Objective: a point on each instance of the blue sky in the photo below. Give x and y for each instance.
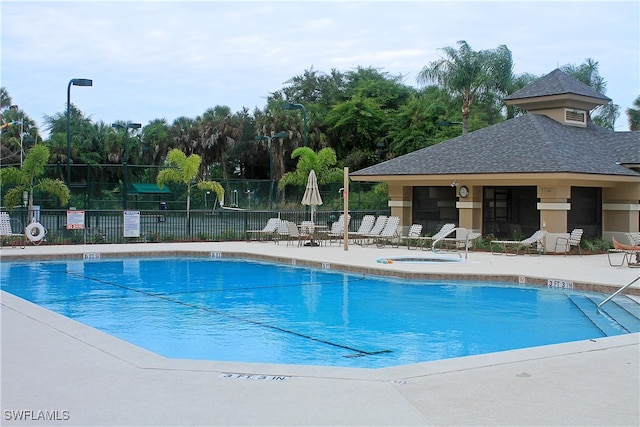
(166, 59)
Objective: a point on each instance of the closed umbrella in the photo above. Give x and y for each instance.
(311, 195)
(312, 198)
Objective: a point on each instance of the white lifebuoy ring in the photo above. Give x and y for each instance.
(35, 231)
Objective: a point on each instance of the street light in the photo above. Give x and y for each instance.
(290, 106)
(72, 82)
(269, 138)
(125, 157)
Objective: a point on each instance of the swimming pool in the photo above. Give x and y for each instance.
(249, 311)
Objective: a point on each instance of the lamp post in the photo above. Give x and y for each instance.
(290, 106)
(72, 82)
(125, 157)
(269, 138)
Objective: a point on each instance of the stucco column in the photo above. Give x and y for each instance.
(400, 202)
(470, 209)
(553, 207)
(620, 210)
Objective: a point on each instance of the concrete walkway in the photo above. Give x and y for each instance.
(56, 371)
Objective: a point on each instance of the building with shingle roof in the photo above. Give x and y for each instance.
(551, 168)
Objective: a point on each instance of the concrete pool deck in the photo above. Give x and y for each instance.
(56, 371)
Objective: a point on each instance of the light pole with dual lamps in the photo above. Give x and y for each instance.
(125, 157)
(72, 82)
(291, 106)
(269, 138)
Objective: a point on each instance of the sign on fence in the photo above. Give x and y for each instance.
(75, 220)
(131, 224)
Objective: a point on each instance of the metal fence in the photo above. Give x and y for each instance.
(107, 226)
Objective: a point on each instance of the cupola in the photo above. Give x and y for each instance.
(560, 97)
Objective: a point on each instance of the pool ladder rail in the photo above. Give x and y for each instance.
(621, 315)
(610, 297)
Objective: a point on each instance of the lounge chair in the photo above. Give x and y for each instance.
(375, 231)
(633, 238)
(389, 233)
(413, 236)
(572, 240)
(430, 242)
(270, 228)
(8, 229)
(629, 253)
(464, 240)
(337, 229)
(363, 229)
(282, 232)
(536, 240)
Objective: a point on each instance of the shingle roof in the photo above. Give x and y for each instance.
(530, 143)
(556, 82)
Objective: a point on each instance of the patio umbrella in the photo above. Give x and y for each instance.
(311, 195)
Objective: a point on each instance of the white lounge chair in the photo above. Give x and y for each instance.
(270, 228)
(413, 236)
(363, 229)
(389, 233)
(378, 226)
(430, 242)
(536, 240)
(9, 228)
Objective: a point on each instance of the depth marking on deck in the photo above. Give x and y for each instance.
(254, 377)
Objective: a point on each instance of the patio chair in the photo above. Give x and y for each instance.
(573, 240)
(270, 228)
(8, 229)
(389, 233)
(295, 234)
(363, 229)
(307, 231)
(413, 235)
(378, 226)
(430, 242)
(536, 240)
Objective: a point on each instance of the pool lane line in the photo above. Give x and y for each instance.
(359, 352)
(292, 285)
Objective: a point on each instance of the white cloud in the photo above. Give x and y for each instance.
(165, 59)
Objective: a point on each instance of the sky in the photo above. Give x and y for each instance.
(166, 59)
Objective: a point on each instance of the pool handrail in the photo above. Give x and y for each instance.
(610, 297)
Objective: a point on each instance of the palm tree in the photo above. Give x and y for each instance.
(27, 178)
(470, 74)
(5, 98)
(323, 163)
(588, 73)
(184, 170)
(634, 115)
(219, 130)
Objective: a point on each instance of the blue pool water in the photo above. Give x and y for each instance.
(238, 310)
